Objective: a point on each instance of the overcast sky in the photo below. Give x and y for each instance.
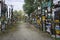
(18, 4)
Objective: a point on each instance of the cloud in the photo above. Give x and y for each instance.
(15, 0)
(18, 4)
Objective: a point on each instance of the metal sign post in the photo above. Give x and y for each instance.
(0, 14)
(3, 16)
(57, 20)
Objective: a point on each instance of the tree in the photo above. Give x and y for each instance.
(29, 6)
(19, 14)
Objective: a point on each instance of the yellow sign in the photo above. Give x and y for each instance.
(56, 20)
(43, 17)
(38, 21)
(57, 31)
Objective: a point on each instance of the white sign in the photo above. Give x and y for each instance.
(49, 9)
(55, 1)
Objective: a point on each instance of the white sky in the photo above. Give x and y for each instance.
(17, 4)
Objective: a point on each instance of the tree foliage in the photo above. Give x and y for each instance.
(19, 14)
(29, 6)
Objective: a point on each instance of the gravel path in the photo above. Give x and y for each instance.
(25, 31)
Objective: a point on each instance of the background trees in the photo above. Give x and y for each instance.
(19, 14)
(31, 5)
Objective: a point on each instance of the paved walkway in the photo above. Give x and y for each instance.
(25, 31)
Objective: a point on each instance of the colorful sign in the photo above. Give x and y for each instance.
(43, 17)
(57, 28)
(56, 21)
(48, 27)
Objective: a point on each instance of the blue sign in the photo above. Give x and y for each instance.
(57, 28)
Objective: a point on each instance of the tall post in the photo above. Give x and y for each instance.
(12, 14)
(3, 18)
(57, 20)
(0, 14)
(43, 17)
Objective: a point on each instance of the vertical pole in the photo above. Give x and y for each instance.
(0, 14)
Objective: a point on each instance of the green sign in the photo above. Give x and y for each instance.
(49, 4)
